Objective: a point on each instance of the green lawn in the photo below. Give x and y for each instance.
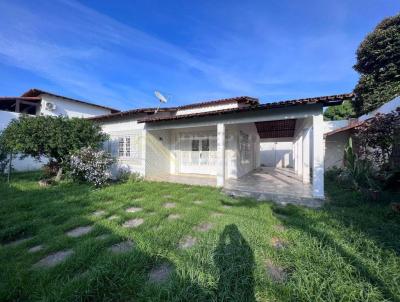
(347, 251)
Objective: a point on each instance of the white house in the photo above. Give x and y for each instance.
(220, 142)
(36, 102)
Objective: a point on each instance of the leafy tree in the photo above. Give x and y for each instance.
(378, 62)
(4, 156)
(53, 137)
(339, 112)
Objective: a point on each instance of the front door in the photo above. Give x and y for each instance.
(197, 153)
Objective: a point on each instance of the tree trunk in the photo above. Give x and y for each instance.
(59, 174)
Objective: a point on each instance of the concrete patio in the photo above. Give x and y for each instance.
(280, 185)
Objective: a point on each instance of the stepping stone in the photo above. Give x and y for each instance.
(79, 231)
(122, 247)
(169, 205)
(204, 227)
(53, 259)
(279, 228)
(198, 202)
(35, 249)
(226, 206)
(275, 272)
(168, 196)
(133, 210)
(18, 242)
(103, 237)
(187, 242)
(278, 243)
(216, 214)
(160, 274)
(133, 223)
(174, 216)
(99, 213)
(113, 217)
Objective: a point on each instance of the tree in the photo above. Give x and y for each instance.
(339, 112)
(378, 62)
(53, 137)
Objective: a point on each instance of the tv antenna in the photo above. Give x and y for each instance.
(161, 98)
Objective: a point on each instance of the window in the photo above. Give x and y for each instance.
(127, 146)
(205, 145)
(195, 145)
(121, 145)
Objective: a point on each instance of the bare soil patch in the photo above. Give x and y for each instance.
(187, 242)
(203, 227)
(275, 272)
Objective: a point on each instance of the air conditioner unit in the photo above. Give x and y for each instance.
(50, 106)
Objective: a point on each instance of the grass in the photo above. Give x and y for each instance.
(347, 251)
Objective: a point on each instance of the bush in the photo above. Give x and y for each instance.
(92, 166)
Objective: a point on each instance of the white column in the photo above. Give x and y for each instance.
(300, 155)
(306, 156)
(220, 154)
(295, 155)
(318, 159)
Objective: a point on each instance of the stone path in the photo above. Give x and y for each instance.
(275, 272)
(99, 213)
(122, 247)
(203, 227)
(216, 214)
(79, 231)
(53, 259)
(279, 228)
(133, 223)
(160, 274)
(187, 242)
(198, 202)
(133, 210)
(174, 216)
(113, 217)
(35, 249)
(169, 205)
(18, 241)
(278, 243)
(103, 237)
(226, 206)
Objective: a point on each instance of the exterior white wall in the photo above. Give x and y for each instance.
(207, 108)
(159, 157)
(127, 128)
(277, 152)
(70, 108)
(244, 167)
(6, 117)
(334, 149)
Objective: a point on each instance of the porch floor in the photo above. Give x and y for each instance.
(280, 185)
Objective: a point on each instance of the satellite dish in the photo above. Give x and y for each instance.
(161, 98)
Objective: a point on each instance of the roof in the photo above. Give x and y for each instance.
(330, 100)
(21, 98)
(351, 126)
(240, 99)
(37, 92)
(130, 112)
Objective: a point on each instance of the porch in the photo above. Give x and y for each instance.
(282, 185)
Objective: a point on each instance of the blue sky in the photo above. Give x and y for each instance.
(117, 53)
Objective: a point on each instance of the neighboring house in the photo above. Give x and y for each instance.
(224, 143)
(36, 102)
(338, 133)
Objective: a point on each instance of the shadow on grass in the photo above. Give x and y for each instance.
(297, 218)
(235, 262)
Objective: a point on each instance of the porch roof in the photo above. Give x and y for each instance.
(330, 100)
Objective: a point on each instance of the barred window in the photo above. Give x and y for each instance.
(127, 146)
(121, 145)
